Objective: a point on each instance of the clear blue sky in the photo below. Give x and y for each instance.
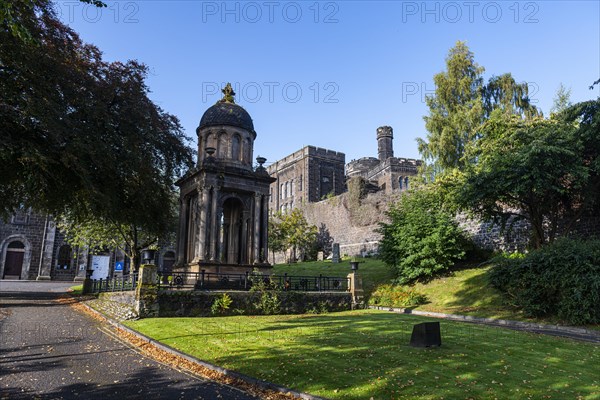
(329, 73)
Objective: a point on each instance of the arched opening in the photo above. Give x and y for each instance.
(13, 264)
(248, 151)
(64, 257)
(232, 228)
(223, 145)
(236, 144)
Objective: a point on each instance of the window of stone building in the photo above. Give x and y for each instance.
(292, 187)
(406, 183)
(287, 186)
(300, 183)
(400, 183)
(281, 192)
(64, 257)
(15, 246)
(21, 217)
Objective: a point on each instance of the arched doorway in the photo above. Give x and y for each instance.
(232, 229)
(13, 264)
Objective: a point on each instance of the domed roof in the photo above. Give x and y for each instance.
(226, 112)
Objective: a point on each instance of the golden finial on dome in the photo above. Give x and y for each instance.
(228, 94)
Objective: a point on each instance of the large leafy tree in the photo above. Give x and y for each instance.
(290, 231)
(422, 238)
(461, 103)
(80, 135)
(10, 15)
(545, 171)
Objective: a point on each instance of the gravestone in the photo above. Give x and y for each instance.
(335, 258)
(320, 256)
(426, 334)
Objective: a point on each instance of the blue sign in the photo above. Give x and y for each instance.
(119, 266)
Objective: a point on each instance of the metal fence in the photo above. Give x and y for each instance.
(115, 284)
(214, 281)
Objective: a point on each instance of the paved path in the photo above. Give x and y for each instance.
(50, 351)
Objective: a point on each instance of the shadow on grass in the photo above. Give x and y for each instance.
(358, 355)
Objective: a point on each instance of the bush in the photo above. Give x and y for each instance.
(396, 296)
(561, 279)
(422, 239)
(221, 305)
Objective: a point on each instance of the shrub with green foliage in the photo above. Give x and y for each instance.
(396, 296)
(561, 279)
(269, 302)
(422, 239)
(221, 305)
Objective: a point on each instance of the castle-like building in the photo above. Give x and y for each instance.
(306, 176)
(312, 173)
(386, 172)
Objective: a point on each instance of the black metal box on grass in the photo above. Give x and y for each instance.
(426, 334)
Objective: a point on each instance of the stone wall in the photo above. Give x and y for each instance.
(117, 305)
(198, 303)
(489, 236)
(351, 222)
(353, 225)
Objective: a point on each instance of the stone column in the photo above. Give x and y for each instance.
(45, 266)
(181, 236)
(245, 249)
(256, 233)
(214, 225)
(356, 289)
(82, 263)
(204, 207)
(146, 293)
(265, 228)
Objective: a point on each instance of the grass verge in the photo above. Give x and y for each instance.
(364, 354)
(76, 290)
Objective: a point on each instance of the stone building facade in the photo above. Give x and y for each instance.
(387, 172)
(224, 201)
(305, 176)
(32, 248)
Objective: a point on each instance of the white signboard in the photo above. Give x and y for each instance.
(100, 266)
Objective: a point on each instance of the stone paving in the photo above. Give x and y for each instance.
(50, 351)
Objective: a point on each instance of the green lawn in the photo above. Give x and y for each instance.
(364, 354)
(76, 290)
(373, 271)
(466, 292)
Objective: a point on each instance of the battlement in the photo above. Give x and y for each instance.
(306, 151)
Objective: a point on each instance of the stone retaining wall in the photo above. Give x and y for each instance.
(198, 303)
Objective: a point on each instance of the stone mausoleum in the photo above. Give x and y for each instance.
(224, 201)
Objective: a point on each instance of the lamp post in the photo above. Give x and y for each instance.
(148, 256)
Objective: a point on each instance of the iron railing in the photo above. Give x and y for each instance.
(115, 284)
(214, 281)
